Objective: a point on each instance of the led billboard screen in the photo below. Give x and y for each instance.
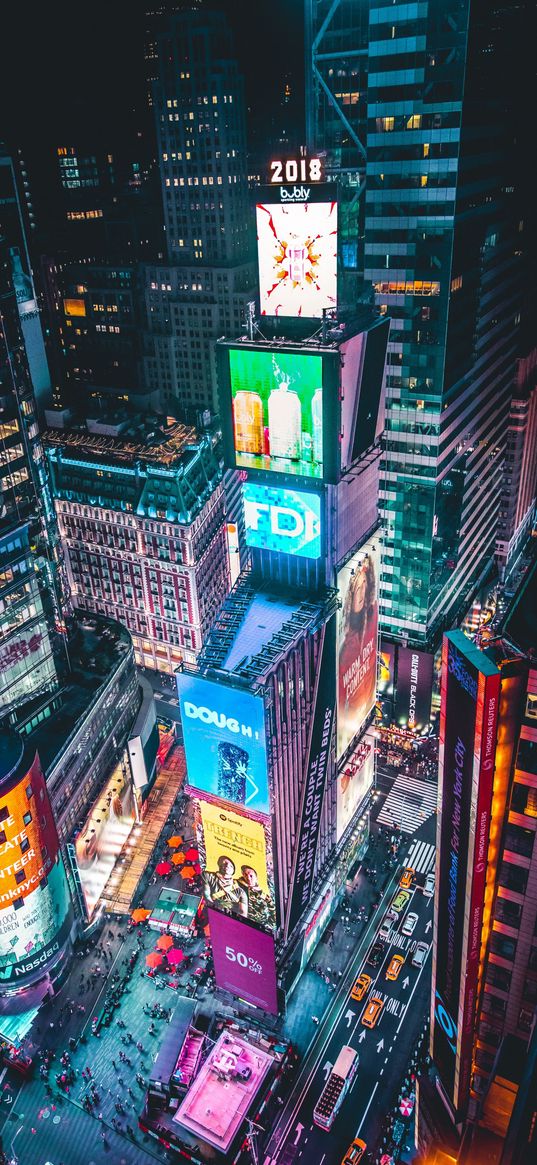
(244, 961)
(353, 782)
(297, 251)
(277, 411)
(286, 521)
(357, 584)
(224, 737)
(236, 873)
(101, 840)
(35, 905)
(414, 689)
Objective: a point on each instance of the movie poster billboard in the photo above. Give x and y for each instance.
(285, 521)
(414, 689)
(357, 584)
(237, 871)
(318, 759)
(297, 250)
(224, 737)
(353, 782)
(277, 400)
(244, 961)
(35, 904)
(103, 835)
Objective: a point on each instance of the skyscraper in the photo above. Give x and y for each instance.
(409, 109)
(200, 292)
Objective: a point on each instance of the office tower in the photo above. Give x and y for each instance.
(409, 109)
(200, 291)
(144, 533)
(519, 485)
(485, 953)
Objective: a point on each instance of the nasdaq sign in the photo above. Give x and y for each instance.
(286, 521)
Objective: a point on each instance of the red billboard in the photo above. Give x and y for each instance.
(244, 960)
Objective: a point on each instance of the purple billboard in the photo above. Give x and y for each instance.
(244, 960)
(414, 689)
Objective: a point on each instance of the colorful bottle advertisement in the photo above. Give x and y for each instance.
(277, 411)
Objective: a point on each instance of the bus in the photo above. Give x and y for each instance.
(336, 1088)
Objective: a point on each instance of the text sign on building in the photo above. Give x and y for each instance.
(224, 735)
(244, 961)
(285, 521)
(470, 692)
(295, 170)
(297, 240)
(414, 689)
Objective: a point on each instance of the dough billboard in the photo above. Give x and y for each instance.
(237, 875)
(357, 584)
(297, 251)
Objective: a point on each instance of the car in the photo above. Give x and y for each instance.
(428, 888)
(385, 930)
(409, 924)
(391, 915)
(355, 1152)
(400, 901)
(360, 986)
(375, 954)
(407, 878)
(420, 954)
(394, 967)
(372, 1011)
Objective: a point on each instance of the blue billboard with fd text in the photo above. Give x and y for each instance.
(287, 521)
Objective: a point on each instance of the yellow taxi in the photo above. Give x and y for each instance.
(354, 1152)
(360, 986)
(372, 1011)
(407, 878)
(394, 967)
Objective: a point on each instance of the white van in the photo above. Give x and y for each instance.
(420, 953)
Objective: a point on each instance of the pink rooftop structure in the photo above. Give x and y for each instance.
(224, 1089)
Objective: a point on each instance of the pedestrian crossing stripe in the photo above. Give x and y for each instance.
(421, 857)
(408, 804)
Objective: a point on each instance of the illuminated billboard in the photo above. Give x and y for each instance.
(236, 874)
(277, 400)
(286, 521)
(353, 782)
(35, 905)
(468, 719)
(101, 840)
(297, 251)
(224, 737)
(414, 689)
(244, 961)
(357, 584)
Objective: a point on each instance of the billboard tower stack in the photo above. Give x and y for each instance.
(277, 710)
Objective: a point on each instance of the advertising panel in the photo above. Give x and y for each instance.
(385, 682)
(320, 745)
(352, 353)
(470, 691)
(237, 877)
(244, 961)
(104, 834)
(286, 521)
(353, 783)
(414, 689)
(357, 584)
(35, 905)
(224, 736)
(297, 250)
(277, 411)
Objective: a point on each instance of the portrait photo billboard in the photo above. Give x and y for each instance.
(237, 877)
(285, 521)
(244, 961)
(224, 738)
(357, 584)
(353, 782)
(297, 250)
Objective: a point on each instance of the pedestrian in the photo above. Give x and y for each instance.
(315, 1019)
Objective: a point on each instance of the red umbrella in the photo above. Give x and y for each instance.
(175, 956)
(154, 959)
(192, 854)
(197, 868)
(163, 868)
(165, 942)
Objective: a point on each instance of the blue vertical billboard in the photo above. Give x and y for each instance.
(286, 521)
(224, 737)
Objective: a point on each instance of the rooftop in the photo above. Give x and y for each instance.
(125, 439)
(223, 1091)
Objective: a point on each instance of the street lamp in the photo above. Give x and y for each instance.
(14, 1159)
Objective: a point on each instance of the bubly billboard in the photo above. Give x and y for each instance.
(224, 737)
(357, 584)
(297, 250)
(237, 874)
(244, 961)
(286, 521)
(277, 400)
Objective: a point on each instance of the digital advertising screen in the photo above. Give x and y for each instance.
(244, 961)
(224, 738)
(297, 251)
(236, 874)
(353, 782)
(357, 584)
(277, 400)
(414, 689)
(103, 835)
(285, 521)
(35, 904)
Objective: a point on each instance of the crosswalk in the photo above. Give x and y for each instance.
(421, 857)
(408, 804)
